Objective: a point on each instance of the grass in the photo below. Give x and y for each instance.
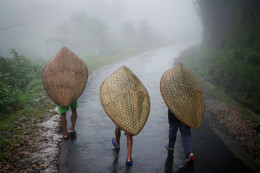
(31, 109)
(251, 72)
(251, 116)
(194, 62)
(195, 67)
(220, 94)
(190, 61)
(13, 125)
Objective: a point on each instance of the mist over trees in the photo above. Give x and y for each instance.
(102, 27)
(232, 22)
(230, 52)
(85, 34)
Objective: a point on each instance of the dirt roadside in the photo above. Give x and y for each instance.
(241, 136)
(38, 148)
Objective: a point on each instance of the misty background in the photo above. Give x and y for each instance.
(94, 28)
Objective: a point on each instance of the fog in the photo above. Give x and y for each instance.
(39, 28)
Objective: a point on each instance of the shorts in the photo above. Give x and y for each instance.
(63, 110)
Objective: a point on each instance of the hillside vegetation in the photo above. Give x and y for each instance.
(229, 55)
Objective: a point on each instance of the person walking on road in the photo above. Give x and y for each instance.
(63, 120)
(64, 79)
(116, 143)
(184, 98)
(126, 101)
(175, 124)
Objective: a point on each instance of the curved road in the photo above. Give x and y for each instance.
(92, 151)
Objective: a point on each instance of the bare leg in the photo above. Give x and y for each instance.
(73, 120)
(118, 135)
(63, 121)
(129, 146)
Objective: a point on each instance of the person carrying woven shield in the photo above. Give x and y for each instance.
(127, 103)
(175, 124)
(184, 98)
(63, 120)
(116, 143)
(64, 79)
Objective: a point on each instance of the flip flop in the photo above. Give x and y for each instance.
(114, 143)
(73, 133)
(129, 163)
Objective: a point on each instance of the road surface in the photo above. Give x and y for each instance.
(92, 150)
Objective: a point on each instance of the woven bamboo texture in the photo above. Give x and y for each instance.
(65, 77)
(125, 100)
(183, 95)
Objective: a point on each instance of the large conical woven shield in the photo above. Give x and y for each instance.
(125, 100)
(65, 77)
(183, 95)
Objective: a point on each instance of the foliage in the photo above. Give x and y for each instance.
(193, 61)
(248, 115)
(13, 125)
(232, 23)
(230, 53)
(16, 73)
(7, 96)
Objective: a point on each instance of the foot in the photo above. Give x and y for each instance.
(191, 158)
(72, 132)
(169, 149)
(66, 136)
(129, 162)
(115, 145)
(170, 152)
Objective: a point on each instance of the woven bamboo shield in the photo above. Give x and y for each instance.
(125, 100)
(65, 77)
(183, 95)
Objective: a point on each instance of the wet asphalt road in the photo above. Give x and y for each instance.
(92, 150)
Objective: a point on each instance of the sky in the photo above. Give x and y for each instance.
(29, 25)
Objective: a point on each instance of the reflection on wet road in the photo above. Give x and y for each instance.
(92, 150)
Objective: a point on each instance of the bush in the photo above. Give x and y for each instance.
(7, 97)
(19, 77)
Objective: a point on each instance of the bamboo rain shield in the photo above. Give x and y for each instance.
(183, 95)
(65, 77)
(125, 100)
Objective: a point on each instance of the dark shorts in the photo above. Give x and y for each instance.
(171, 118)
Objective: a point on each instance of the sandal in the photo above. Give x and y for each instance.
(65, 138)
(73, 134)
(114, 143)
(130, 162)
(191, 158)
